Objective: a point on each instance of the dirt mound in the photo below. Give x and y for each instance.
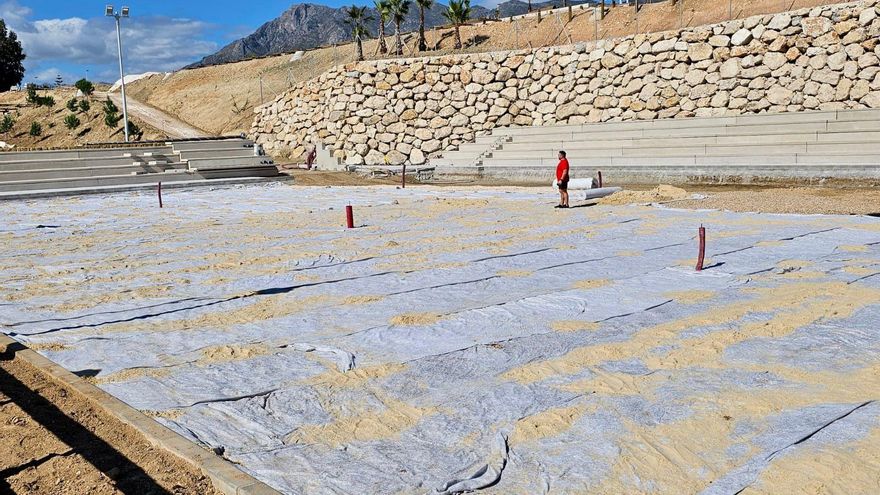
(659, 194)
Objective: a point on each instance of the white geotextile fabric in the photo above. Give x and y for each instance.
(446, 410)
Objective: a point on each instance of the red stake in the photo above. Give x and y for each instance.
(600, 178)
(702, 254)
(159, 190)
(403, 178)
(349, 216)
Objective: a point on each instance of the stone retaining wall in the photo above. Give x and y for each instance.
(396, 111)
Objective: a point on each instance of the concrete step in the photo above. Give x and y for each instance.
(220, 153)
(229, 163)
(868, 160)
(83, 162)
(91, 153)
(213, 144)
(104, 180)
(704, 150)
(66, 173)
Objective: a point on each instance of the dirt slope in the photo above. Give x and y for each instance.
(54, 133)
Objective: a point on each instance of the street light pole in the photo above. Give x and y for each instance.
(117, 15)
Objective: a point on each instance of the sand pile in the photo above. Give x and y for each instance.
(657, 195)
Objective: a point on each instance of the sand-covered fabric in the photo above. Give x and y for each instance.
(467, 338)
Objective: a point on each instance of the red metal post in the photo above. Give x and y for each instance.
(600, 178)
(349, 216)
(702, 254)
(159, 190)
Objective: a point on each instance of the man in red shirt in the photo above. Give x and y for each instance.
(562, 180)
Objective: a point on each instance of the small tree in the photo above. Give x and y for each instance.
(384, 12)
(84, 106)
(111, 114)
(71, 122)
(6, 124)
(134, 130)
(85, 86)
(458, 12)
(32, 97)
(58, 81)
(357, 17)
(11, 58)
(72, 104)
(398, 10)
(110, 107)
(423, 4)
(36, 129)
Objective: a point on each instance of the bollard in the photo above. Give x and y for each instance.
(600, 178)
(702, 254)
(349, 216)
(159, 191)
(403, 177)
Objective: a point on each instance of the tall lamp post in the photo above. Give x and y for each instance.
(123, 12)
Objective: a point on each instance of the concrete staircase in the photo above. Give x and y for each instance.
(101, 169)
(786, 146)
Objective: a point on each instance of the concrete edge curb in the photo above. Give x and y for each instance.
(224, 475)
(54, 193)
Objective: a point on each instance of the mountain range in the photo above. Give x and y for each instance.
(306, 25)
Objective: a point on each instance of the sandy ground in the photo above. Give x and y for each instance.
(169, 125)
(55, 442)
(220, 99)
(740, 198)
(55, 135)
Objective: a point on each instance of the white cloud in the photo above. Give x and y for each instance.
(151, 43)
(13, 13)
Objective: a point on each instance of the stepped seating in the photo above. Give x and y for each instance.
(801, 146)
(189, 161)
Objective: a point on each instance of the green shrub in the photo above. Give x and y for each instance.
(71, 121)
(84, 105)
(134, 130)
(7, 124)
(85, 86)
(36, 129)
(111, 120)
(110, 107)
(72, 104)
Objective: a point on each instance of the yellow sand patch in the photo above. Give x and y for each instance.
(356, 377)
(690, 296)
(415, 319)
(573, 325)
(232, 352)
(514, 273)
(857, 248)
(362, 299)
(545, 424)
(591, 284)
(130, 374)
(372, 425)
(795, 305)
(658, 194)
(860, 270)
(847, 468)
(51, 346)
(628, 254)
(769, 243)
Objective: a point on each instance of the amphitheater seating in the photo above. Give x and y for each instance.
(803, 145)
(190, 161)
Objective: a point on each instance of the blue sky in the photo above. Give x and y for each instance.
(73, 38)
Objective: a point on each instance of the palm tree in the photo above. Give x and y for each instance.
(357, 17)
(458, 12)
(384, 13)
(398, 10)
(423, 4)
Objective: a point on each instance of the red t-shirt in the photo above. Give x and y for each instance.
(562, 169)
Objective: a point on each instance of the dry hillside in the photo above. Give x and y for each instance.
(54, 133)
(220, 99)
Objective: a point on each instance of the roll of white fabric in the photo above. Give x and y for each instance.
(576, 184)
